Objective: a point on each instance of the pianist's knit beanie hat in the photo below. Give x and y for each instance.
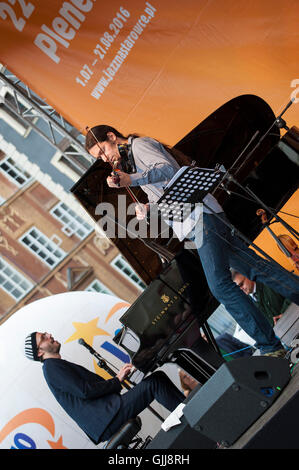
(31, 347)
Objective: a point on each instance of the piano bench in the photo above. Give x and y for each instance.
(124, 437)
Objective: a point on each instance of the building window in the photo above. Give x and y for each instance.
(72, 223)
(42, 247)
(123, 266)
(68, 167)
(13, 282)
(14, 172)
(97, 286)
(13, 111)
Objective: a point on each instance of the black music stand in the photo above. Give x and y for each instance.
(191, 187)
(188, 187)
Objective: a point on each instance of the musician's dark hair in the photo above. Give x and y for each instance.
(99, 134)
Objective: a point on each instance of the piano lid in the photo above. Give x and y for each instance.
(223, 135)
(220, 138)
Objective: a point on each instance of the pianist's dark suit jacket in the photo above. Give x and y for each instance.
(87, 398)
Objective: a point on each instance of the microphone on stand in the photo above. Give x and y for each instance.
(87, 346)
(101, 361)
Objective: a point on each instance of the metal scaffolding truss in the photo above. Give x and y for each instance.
(30, 109)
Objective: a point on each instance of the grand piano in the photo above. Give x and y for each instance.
(166, 322)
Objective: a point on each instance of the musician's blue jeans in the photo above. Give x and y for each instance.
(221, 250)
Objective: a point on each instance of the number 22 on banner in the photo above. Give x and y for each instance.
(19, 23)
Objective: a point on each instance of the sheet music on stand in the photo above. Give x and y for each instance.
(188, 187)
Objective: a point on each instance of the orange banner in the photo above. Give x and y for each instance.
(158, 68)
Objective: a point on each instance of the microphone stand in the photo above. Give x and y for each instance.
(229, 178)
(294, 232)
(278, 122)
(103, 364)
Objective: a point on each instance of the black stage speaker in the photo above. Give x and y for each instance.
(235, 396)
(181, 437)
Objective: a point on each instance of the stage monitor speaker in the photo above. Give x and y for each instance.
(181, 436)
(234, 397)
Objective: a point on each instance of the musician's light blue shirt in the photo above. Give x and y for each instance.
(155, 168)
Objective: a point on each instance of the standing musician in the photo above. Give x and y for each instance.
(155, 165)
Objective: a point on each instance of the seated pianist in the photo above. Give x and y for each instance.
(96, 404)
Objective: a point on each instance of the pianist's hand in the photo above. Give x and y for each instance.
(124, 372)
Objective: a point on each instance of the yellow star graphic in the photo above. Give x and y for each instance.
(87, 331)
(57, 445)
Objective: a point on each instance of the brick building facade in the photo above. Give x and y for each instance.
(48, 244)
